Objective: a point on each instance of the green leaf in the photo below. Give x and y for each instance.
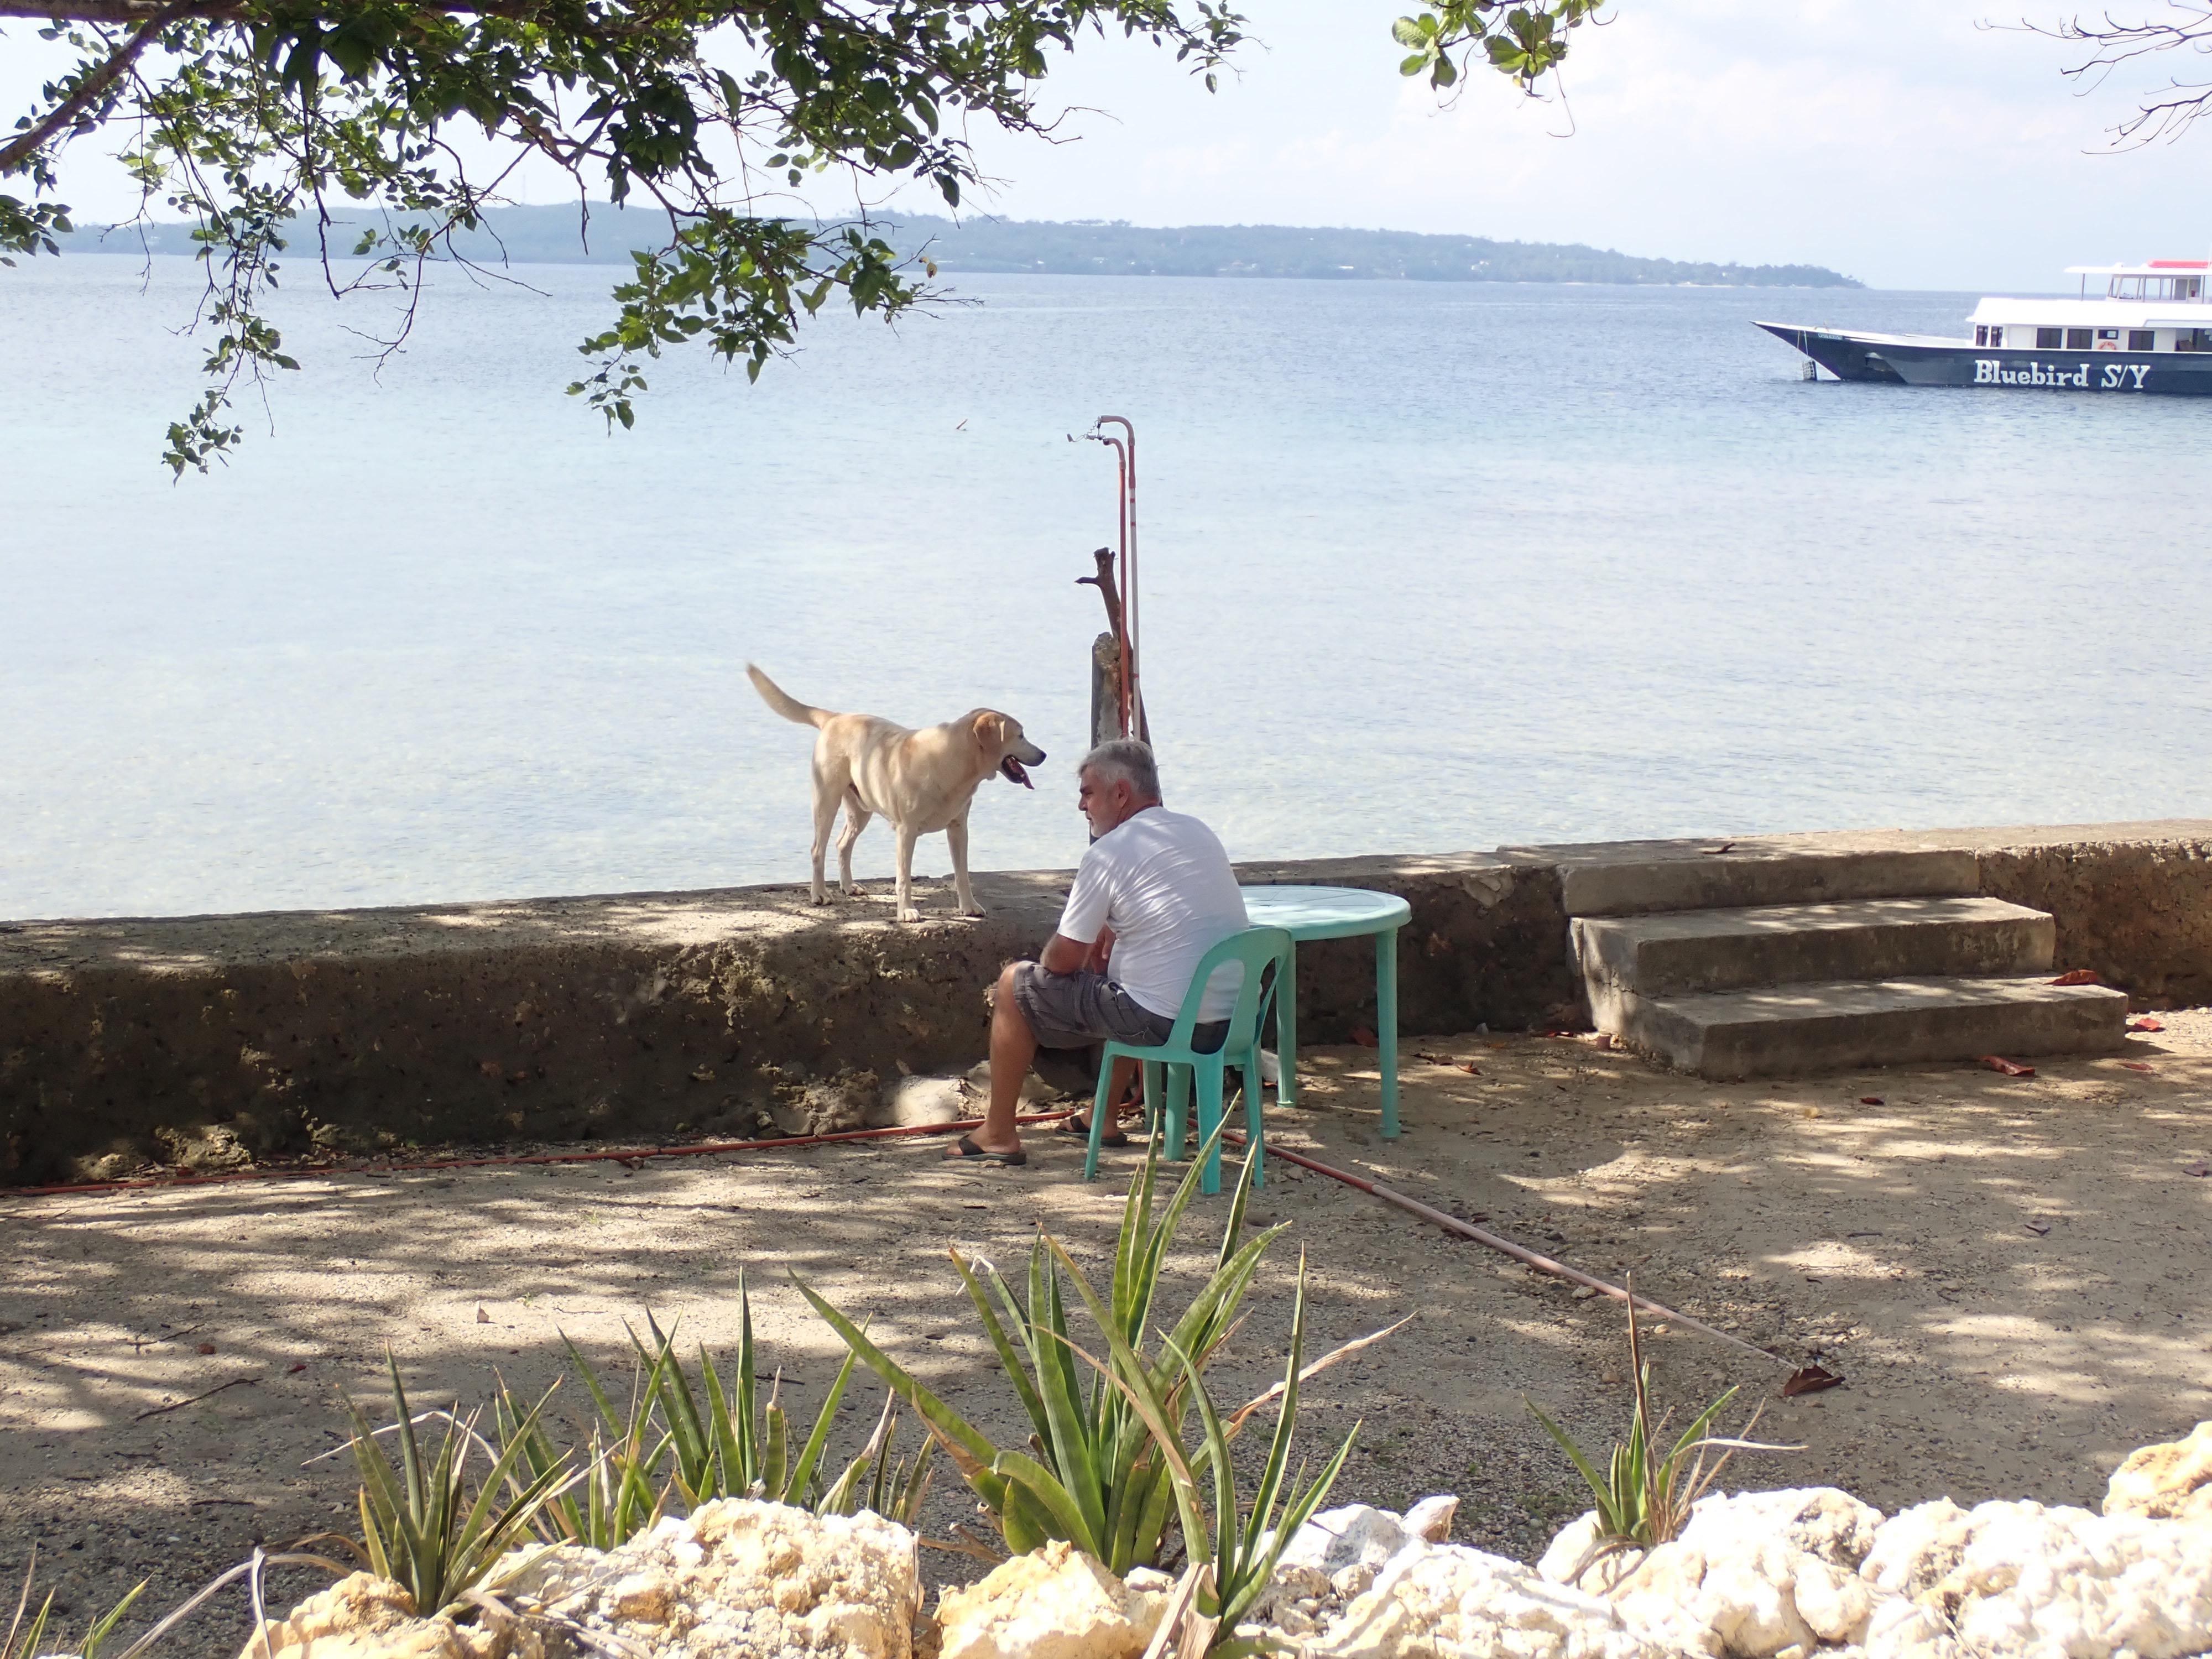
(972, 1449)
(1076, 1525)
(1609, 1508)
(416, 1528)
(27, 1646)
(1010, 1363)
(102, 1627)
(802, 1479)
(1057, 1385)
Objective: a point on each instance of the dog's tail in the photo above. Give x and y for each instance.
(790, 708)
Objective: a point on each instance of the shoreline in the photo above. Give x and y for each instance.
(204, 1042)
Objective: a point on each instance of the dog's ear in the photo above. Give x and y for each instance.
(990, 733)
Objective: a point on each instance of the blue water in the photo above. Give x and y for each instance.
(1426, 567)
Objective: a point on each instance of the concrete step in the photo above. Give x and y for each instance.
(1636, 877)
(1789, 1030)
(1677, 951)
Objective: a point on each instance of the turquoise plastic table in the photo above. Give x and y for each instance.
(1318, 913)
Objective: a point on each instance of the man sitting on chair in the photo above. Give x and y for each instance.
(1152, 895)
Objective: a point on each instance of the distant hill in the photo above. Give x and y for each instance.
(1124, 250)
(537, 235)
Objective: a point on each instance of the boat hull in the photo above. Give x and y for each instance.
(1895, 362)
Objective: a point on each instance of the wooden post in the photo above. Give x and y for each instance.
(1105, 689)
(1106, 661)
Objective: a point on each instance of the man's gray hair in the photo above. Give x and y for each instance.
(1128, 760)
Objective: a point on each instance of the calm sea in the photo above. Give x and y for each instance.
(1425, 567)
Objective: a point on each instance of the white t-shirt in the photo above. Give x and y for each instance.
(1162, 882)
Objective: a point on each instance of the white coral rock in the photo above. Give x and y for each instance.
(1575, 1548)
(1449, 1601)
(1055, 1603)
(2025, 1581)
(2062, 1584)
(2172, 1481)
(1898, 1629)
(1356, 1536)
(1917, 1549)
(1431, 1518)
(742, 1578)
(365, 1617)
(1753, 1575)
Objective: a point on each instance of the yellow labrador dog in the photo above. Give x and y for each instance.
(922, 781)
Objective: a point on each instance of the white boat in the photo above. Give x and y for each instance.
(2150, 330)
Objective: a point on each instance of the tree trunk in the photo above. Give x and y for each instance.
(1106, 662)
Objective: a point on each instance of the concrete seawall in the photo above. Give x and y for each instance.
(204, 1039)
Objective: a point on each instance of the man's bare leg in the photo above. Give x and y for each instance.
(1117, 1091)
(1013, 1047)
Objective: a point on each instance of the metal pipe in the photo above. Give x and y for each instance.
(1126, 696)
(1132, 666)
(1544, 1264)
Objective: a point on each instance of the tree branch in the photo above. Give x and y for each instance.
(2113, 44)
(88, 90)
(1103, 582)
(249, 115)
(155, 15)
(149, 12)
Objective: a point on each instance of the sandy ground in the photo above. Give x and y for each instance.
(2011, 1274)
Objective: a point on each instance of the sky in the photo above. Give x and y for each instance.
(1910, 143)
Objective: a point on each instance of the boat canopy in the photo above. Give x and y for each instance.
(2148, 267)
(2168, 280)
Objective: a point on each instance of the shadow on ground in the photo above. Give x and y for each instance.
(2006, 1272)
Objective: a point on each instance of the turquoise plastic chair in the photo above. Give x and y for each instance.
(1257, 949)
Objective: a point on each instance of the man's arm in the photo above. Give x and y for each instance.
(1063, 955)
(1071, 948)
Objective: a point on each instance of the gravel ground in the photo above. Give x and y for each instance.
(2009, 1272)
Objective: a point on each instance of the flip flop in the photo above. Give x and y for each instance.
(966, 1148)
(1074, 1125)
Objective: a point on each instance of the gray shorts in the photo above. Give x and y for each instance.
(1074, 1011)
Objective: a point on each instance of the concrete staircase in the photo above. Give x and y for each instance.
(1770, 959)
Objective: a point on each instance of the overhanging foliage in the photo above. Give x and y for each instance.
(260, 121)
